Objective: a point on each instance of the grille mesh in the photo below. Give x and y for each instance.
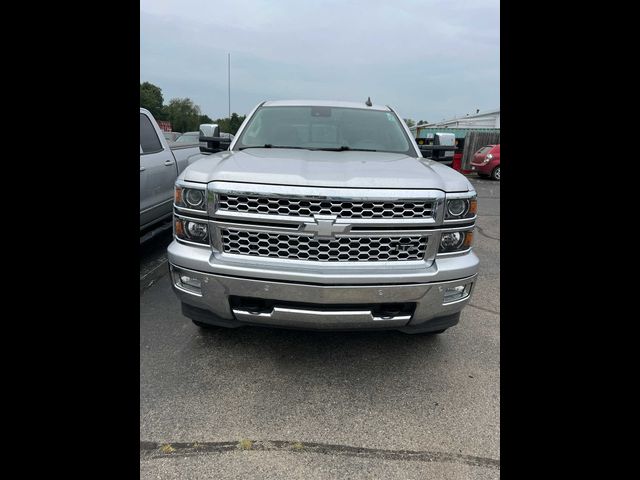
(339, 249)
(309, 207)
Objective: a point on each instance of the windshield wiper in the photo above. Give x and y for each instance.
(345, 148)
(269, 145)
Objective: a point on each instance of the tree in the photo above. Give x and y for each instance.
(423, 122)
(205, 119)
(230, 125)
(235, 123)
(183, 114)
(151, 99)
(410, 123)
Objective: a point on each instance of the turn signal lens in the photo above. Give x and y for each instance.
(473, 206)
(468, 240)
(179, 228)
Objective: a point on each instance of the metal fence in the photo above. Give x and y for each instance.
(473, 142)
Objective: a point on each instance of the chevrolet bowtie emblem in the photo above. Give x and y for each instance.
(324, 226)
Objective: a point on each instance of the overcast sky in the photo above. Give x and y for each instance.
(429, 59)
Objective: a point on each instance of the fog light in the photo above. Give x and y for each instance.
(451, 294)
(186, 282)
(191, 282)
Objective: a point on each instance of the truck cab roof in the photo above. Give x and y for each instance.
(323, 103)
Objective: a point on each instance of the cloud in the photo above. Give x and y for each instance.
(429, 59)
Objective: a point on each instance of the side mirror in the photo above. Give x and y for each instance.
(210, 139)
(209, 130)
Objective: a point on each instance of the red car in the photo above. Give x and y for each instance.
(486, 162)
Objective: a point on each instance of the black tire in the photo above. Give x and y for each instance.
(496, 173)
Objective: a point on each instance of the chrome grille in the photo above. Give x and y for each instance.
(339, 249)
(305, 207)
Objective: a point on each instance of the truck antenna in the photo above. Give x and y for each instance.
(368, 102)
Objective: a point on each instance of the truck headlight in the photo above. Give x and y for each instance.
(194, 198)
(190, 230)
(457, 241)
(461, 208)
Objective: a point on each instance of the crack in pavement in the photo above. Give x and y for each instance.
(152, 450)
(485, 235)
(153, 275)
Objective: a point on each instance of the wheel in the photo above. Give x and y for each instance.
(496, 173)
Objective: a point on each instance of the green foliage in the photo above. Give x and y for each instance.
(410, 123)
(205, 119)
(183, 114)
(230, 125)
(151, 99)
(422, 122)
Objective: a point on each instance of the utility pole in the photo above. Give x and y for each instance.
(229, 81)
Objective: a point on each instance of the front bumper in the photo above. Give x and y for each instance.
(320, 307)
(484, 169)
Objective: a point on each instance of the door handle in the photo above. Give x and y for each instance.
(168, 162)
(142, 169)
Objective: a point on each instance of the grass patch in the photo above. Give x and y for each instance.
(245, 444)
(167, 448)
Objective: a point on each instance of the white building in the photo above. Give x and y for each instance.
(488, 119)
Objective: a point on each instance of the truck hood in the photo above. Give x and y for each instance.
(315, 168)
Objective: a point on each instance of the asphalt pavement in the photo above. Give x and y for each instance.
(272, 403)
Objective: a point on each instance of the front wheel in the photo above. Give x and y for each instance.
(496, 173)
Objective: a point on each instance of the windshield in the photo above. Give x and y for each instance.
(188, 138)
(484, 150)
(326, 128)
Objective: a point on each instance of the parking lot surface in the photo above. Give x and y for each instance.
(272, 403)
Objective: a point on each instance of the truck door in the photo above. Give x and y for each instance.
(157, 175)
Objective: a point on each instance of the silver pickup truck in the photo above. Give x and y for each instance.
(160, 165)
(323, 215)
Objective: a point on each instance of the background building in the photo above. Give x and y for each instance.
(471, 133)
(488, 119)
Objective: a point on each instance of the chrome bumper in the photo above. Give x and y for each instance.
(203, 259)
(317, 313)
